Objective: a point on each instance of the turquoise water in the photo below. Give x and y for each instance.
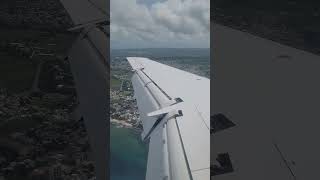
(128, 155)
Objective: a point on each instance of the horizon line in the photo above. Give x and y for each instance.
(162, 48)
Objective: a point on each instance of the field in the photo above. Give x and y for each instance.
(115, 82)
(16, 73)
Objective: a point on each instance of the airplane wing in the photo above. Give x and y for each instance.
(86, 11)
(174, 108)
(268, 92)
(89, 62)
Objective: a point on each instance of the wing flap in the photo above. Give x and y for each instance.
(146, 104)
(196, 144)
(155, 167)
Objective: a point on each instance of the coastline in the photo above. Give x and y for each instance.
(120, 123)
(123, 124)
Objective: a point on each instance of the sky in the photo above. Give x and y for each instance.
(160, 24)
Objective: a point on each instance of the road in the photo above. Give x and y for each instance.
(272, 93)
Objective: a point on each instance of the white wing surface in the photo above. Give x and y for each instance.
(85, 11)
(174, 108)
(89, 61)
(270, 92)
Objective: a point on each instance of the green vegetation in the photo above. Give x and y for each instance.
(16, 73)
(115, 82)
(17, 124)
(126, 93)
(16, 70)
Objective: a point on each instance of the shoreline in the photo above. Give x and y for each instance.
(121, 123)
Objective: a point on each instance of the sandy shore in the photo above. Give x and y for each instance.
(121, 123)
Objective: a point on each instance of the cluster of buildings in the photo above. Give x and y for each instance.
(123, 109)
(35, 13)
(44, 140)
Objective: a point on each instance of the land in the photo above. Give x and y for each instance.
(123, 107)
(41, 133)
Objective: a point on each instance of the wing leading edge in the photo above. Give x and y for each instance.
(174, 108)
(89, 61)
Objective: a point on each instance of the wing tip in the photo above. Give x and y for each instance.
(135, 62)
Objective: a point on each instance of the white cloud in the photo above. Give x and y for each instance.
(170, 23)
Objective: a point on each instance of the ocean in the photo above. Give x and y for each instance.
(128, 154)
